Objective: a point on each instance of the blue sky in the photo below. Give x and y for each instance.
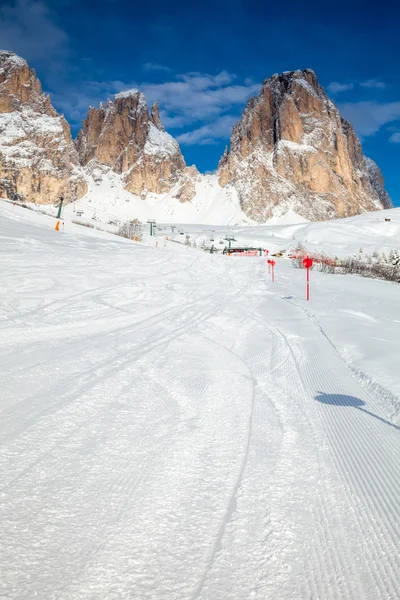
(202, 60)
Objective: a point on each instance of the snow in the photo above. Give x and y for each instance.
(108, 200)
(142, 104)
(160, 144)
(12, 60)
(294, 147)
(339, 237)
(127, 94)
(174, 425)
(306, 86)
(213, 205)
(18, 130)
(288, 218)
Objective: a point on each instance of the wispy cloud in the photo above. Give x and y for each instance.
(369, 117)
(205, 104)
(149, 66)
(373, 83)
(29, 28)
(197, 98)
(201, 99)
(336, 88)
(395, 137)
(210, 133)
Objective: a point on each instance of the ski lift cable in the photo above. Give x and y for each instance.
(103, 212)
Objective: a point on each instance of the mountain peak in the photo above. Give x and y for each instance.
(9, 60)
(155, 117)
(122, 137)
(127, 94)
(37, 158)
(292, 150)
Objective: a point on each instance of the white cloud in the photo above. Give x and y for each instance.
(210, 133)
(28, 27)
(373, 83)
(200, 99)
(336, 88)
(395, 137)
(149, 66)
(201, 102)
(368, 117)
(203, 81)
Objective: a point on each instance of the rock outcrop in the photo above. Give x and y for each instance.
(292, 150)
(122, 136)
(38, 161)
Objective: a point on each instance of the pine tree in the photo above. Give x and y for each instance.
(396, 258)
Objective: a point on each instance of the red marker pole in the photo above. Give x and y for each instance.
(273, 270)
(307, 264)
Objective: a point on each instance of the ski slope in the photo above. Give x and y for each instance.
(369, 232)
(175, 426)
(107, 199)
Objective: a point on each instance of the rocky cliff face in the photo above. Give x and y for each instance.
(292, 150)
(38, 161)
(122, 136)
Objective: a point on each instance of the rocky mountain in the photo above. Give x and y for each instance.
(38, 161)
(123, 137)
(291, 150)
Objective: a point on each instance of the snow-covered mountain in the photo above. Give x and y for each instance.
(121, 136)
(292, 150)
(108, 202)
(38, 161)
(291, 153)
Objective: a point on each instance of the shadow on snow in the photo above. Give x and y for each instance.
(343, 400)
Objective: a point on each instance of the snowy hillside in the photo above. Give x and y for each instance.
(107, 200)
(174, 425)
(376, 231)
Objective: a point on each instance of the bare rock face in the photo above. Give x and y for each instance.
(292, 150)
(122, 136)
(38, 161)
(187, 189)
(155, 117)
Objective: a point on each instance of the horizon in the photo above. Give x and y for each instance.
(203, 91)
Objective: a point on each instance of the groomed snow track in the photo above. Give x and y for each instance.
(176, 428)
